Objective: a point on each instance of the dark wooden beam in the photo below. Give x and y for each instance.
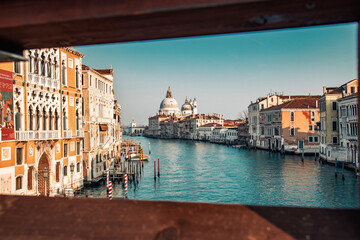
(80, 218)
(42, 23)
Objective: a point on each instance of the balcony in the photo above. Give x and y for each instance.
(80, 133)
(37, 135)
(43, 81)
(67, 134)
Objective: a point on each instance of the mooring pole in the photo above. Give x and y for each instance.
(158, 167)
(343, 177)
(154, 169)
(335, 167)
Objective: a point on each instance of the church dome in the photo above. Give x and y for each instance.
(169, 105)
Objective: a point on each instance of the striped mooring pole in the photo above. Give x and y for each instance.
(110, 190)
(126, 187)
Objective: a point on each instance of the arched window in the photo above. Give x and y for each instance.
(63, 72)
(37, 126)
(77, 121)
(77, 77)
(31, 120)
(42, 64)
(65, 171)
(64, 119)
(48, 67)
(55, 67)
(44, 119)
(50, 119)
(19, 183)
(36, 63)
(56, 126)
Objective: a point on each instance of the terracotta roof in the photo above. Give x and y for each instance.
(300, 103)
(158, 116)
(298, 96)
(335, 91)
(211, 125)
(105, 71)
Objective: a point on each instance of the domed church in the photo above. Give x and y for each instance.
(169, 106)
(189, 107)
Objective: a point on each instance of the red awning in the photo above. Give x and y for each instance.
(103, 127)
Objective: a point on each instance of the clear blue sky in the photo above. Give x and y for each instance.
(226, 72)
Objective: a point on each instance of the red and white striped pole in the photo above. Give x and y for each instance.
(126, 187)
(107, 177)
(110, 190)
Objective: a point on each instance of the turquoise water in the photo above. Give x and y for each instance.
(205, 172)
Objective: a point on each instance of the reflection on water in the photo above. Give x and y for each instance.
(205, 172)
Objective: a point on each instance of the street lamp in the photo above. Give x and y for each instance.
(45, 175)
(72, 171)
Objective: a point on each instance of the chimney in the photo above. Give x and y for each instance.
(317, 103)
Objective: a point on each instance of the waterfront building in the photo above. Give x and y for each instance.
(290, 126)
(219, 134)
(243, 132)
(100, 125)
(41, 116)
(262, 103)
(154, 129)
(118, 132)
(348, 128)
(134, 129)
(205, 131)
(330, 147)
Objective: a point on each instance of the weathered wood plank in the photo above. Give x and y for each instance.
(32, 24)
(61, 218)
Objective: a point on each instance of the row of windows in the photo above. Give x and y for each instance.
(102, 86)
(20, 152)
(19, 179)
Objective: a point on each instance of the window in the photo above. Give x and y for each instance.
(65, 149)
(76, 77)
(90, 80)
(292, 131)
(19, 156)
(334, 125)
(78, 148)
(334, 105)
(310, 127)
(316, 139)
(63, 72)
(78, 167)
(65, 170)
(312, 116)
(17, 67)
(30, 171)
(335, 140)
(292, 116)
(19, 183)
(57, 174)
(310, 139)
(352, 89)
(82, 79)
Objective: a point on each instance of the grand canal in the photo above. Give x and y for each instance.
(205, 172)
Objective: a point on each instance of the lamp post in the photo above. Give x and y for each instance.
(45, 175)
(72, 171)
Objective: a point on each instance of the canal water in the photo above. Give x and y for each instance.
(205, 172)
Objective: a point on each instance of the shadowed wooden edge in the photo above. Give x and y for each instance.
(40, 23)
(80, 218)
(90, 218)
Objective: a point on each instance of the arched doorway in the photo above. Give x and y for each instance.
(44, 176)
(84, 170)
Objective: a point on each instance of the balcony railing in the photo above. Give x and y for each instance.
(37, 135)
(43, 81)
(80, 133)
(67, 133)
